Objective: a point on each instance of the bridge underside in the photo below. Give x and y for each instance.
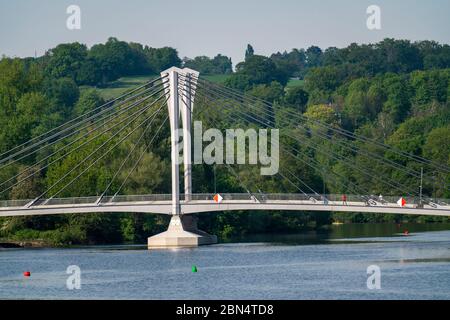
(202, 206)
(183, 231)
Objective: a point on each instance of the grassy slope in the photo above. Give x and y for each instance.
(120, 86)
(294, 83)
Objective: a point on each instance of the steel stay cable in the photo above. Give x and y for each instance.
(301, 181)
(152, 116)
(292, 183)
(77, 124)
(315, 168)
(339, 130)
(318, 169)
(343, 131)
(85, 134)
(399, 186)
(118, 111)
(354, 187)
(69, 151)
(355, 149)
(132, 150)
(296, 186)
(317, 149)
(228, 166)
(236, 175)
(101, 146)
(140, 158)
(143, 152)
(401, 168)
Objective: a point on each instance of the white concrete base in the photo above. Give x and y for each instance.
(182, 232)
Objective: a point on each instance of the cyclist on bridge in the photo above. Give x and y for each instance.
(344, 199)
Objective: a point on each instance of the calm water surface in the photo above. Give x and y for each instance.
(327, 265)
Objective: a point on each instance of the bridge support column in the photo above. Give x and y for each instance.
(187, 108)
(182, 233)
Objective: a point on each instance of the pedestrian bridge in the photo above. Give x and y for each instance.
(138, 115)
(201, 203)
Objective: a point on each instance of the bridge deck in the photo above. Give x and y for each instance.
(160, 204)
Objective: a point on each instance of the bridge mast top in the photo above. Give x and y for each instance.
(180, 91)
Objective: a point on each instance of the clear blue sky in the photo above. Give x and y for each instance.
(208, 27)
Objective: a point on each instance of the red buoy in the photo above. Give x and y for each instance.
(27, 274)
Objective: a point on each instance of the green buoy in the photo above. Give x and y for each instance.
(194, 268)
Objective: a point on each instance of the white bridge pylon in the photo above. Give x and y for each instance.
(182, 231)
(180, 104)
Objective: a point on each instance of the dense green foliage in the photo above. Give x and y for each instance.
(218, 65)
(395, 92)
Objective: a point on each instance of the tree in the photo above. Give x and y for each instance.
(66, 60)
(89, 73)
(363, 101)
(400, 56)
(65, 93)
(162, 58)
(429, 86)
(114, 59)
(325, 79)
(32, 116)
(218, 65)
(31, 187)
(272, 92)
(89, 100)
(249, 52)
(256, 70)
(437, 149)
(222, 64)
(297, 97)
(292, 63)
(314, 57)
(397, 102)
(150, 176)
(356, 102)
(323, 113)
(437, 145)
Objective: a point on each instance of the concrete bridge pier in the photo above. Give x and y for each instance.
(182, 232)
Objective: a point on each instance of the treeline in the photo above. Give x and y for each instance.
(354, 61)
(357, 60)
(114, 59)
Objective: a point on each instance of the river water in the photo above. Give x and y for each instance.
(327, 265)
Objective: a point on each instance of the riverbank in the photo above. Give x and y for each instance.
(7, 244)
(324, 233)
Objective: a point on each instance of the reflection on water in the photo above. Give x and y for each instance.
(329, 264)
(346, 232)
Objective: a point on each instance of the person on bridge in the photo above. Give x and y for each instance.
(344, 199)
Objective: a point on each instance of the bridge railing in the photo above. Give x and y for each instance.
(137, 198)
(13, 203)
(68, 201)
(257, 197)
(337, 198)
